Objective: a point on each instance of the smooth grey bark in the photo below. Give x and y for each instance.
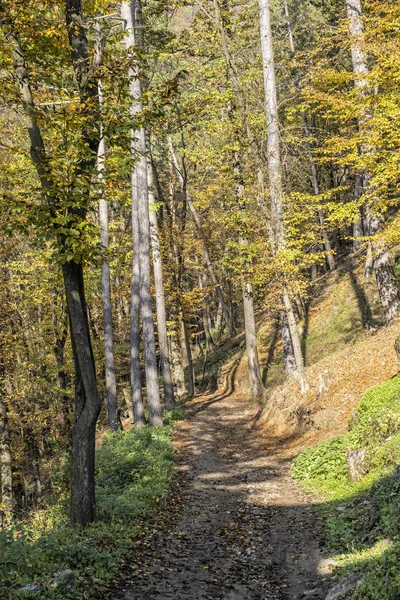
(253, 363)
(275, 175)
(255, 379)
(129, 17)
(169, 398)
(111, 384)
(202, 279)
(187, 356)
(6, 493)
(177, 366)
(87, 398)
(202, 235)
(135, 370)
(382, 261)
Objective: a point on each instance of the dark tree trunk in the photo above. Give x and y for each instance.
(87, 399)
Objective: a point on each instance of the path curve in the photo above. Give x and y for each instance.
(246, 531)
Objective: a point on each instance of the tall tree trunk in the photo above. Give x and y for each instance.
(202, 279)
(275, 174)
(326, 242)
(253, 363)
(131, 19)
(199, 227)
(383, 266)
(256, 385)
(135, 370)
(177, 366)
(187, 355)
(160, 298)
(111, 384)
(87, 399)
(6, 494)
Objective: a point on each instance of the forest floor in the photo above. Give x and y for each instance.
(244, 530)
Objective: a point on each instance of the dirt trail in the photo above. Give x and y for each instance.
(245, 531)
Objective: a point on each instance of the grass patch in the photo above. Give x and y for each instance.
(133, 474)
(362, 519)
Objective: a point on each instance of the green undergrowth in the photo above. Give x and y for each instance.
(133, 474)
(362, 518)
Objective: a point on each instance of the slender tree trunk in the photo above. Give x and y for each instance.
(326, 242)
(205, 311)
(275, 173)
(111, 384)
(130, 19)
(256, 385)
(6, 494)
(253, 363)
(383, 266)
(135, 370)
(187, 354)
(177, 367)
(160, 298)
(202, 235)
(87, 399)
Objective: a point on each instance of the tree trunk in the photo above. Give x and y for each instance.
(202, 235)
(130, 20)
(160, 298)
(177, 367)
(187, 356)
(6, 494)
(326, 242)
(275, 173)
(135, 370)
(205, 311)
(87, 399)
(383, 266)
(111, 384)
(256, 385)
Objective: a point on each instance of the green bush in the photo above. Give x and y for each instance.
(133, 473)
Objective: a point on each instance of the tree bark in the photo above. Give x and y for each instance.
(87, 399)
(177, 367)
(160, 298)
(383, 266)
(6, 493)
(135, 370)
(256, 385)
(111, 384)
(130, 19)
(275, 174)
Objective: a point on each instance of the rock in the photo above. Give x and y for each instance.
(31, 588)
(64, 578)
(348, 584)
(355, 464)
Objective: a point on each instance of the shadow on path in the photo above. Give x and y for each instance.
(246, 531)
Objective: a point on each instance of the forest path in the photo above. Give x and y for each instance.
(245, 531)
